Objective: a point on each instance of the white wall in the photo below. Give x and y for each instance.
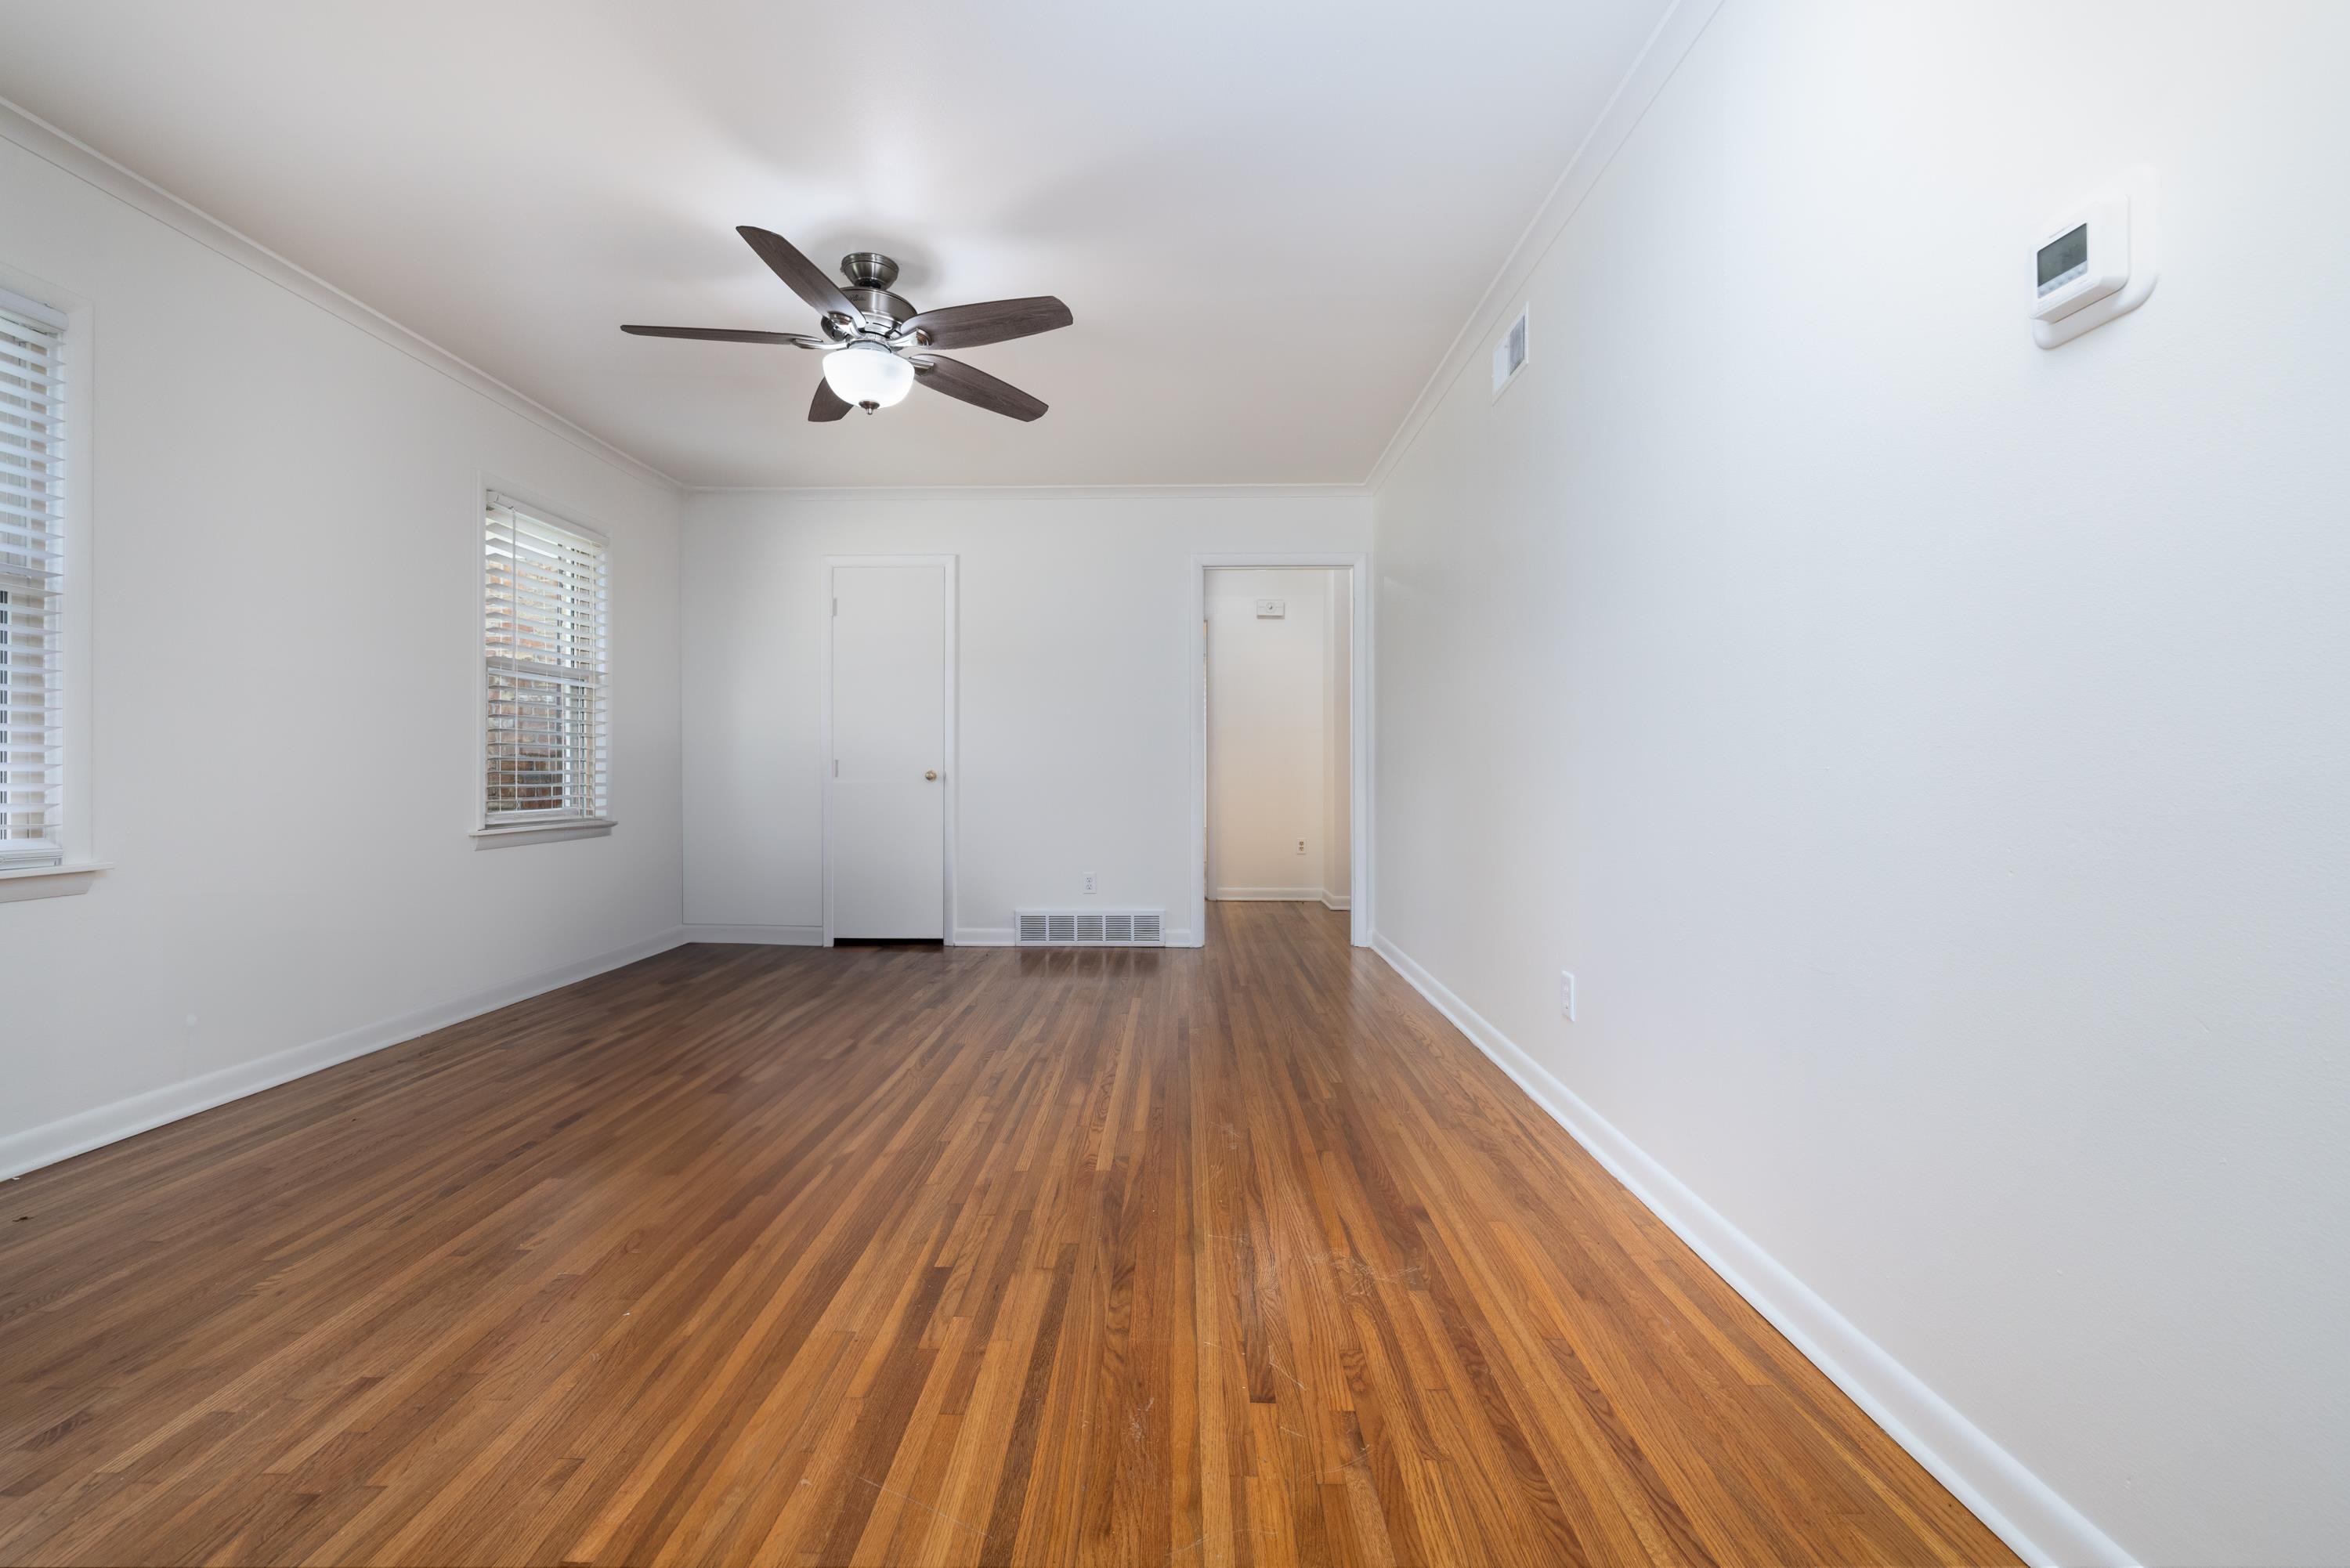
(1930, 750)
(282, 720)
(1075, 718)
(1268, 737)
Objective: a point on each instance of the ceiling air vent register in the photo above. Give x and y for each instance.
(1510, 353)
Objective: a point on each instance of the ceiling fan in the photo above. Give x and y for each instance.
(876, 344)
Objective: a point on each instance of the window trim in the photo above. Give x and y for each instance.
(81, 863)
(542, 832)
(537, 827)
(18, 883)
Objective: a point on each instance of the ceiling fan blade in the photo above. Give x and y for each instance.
(828, 404)
(969, 326)
(956, 380)
(715, 334)
(807, 279)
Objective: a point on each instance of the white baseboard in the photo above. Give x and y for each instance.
(758, 936)
(2023, 1509)
(62, 1139)
(1267, 895)
(1336, 901)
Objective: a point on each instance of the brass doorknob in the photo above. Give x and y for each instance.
(930, 772)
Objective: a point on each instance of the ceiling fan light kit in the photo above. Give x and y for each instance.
(868, 375)
(876, 344)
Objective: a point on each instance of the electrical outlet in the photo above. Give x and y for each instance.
(1301, 847)
(1566, 994)
(1089, 881)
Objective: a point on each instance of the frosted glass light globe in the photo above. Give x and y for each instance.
(867, 373)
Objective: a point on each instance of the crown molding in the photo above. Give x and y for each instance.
(1658, 59)
(1043, 492)
(86, 164)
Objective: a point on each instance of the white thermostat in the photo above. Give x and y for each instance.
(1272, 609)
(2094, 261)
(2083, 259)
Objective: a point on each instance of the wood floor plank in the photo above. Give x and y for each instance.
(894, 1255)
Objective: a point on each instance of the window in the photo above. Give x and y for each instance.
(542, 646)
(32, 524)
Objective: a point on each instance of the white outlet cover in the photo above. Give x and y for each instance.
(1566, 994)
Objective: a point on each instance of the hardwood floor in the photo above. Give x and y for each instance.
(892, 1255)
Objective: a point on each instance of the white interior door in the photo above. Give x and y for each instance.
(889, 820)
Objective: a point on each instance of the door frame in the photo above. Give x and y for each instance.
(947, 768)
(1360, 885)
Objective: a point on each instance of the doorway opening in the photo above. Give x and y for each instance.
(1280, 752)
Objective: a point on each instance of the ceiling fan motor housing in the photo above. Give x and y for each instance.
(880, 303)
(870, 276)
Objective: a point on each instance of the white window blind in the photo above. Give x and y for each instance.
(543, 642)
(32, 524)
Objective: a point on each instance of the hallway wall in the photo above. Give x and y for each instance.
(1928, 750)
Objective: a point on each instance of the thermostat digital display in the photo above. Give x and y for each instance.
(2063, 260)
(2082, 257)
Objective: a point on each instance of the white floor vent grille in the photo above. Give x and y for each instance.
(1090, 928)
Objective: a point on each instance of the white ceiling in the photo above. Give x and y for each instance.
(1269, 219)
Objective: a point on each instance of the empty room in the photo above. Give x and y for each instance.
(1194, 784)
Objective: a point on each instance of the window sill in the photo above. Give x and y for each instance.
(542, 832)
(50, 881)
